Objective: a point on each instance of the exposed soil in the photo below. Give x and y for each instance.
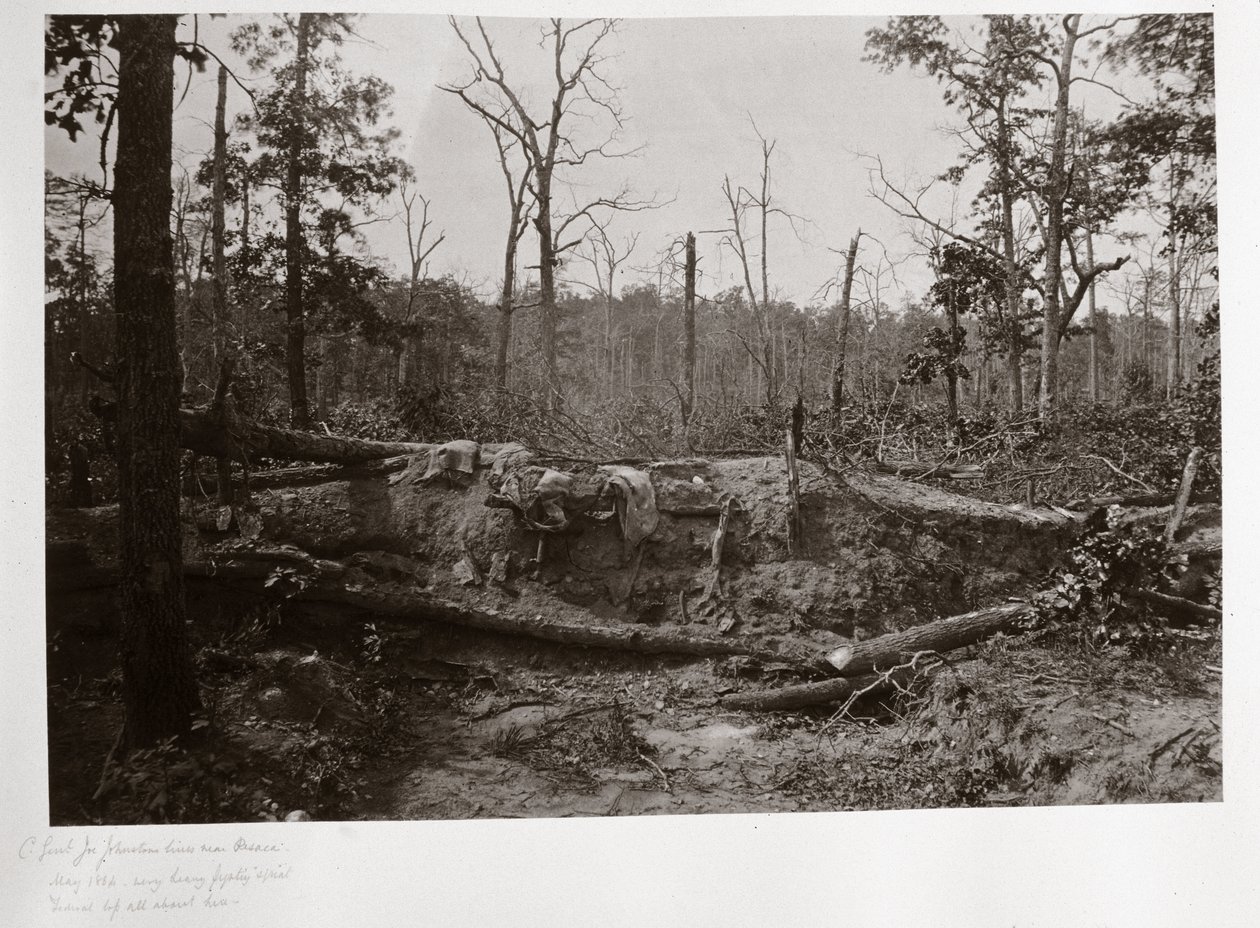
(454, 724)
(332, 711)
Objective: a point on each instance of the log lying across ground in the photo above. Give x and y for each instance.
(334, 582)
(886, 651)
(803, 695)
(234, 436)
(225, 433)
(920, 469)
(1180, 606)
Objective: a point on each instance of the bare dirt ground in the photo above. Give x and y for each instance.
(458, 725)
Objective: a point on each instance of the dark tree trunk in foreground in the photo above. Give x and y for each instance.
(299, 409)
(218, 237)
(159, 690)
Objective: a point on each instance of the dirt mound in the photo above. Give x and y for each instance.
(876, 554)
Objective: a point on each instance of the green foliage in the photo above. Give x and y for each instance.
(373, 644)
(374, 420)
(79, 48)
(170, 784)
(943, 357)
(1201, 404)
(1092, 593)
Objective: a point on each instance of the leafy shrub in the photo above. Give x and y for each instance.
(373, 420)
(171, 784)
(1092, 593)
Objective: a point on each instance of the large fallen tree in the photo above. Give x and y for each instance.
(886, 651)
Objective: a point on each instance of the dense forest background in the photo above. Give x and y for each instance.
(1098, 231)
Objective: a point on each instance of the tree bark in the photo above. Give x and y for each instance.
(1055, 196)
(1095, 392)
(295, 244)
(802, 695)
(689, 331)
(547, 322)
(503, 332)
(1180, 606)
(217, 226)
(941, 469)
(1183, 495)
(842, 338)
(81, 287)
(1174, 289)
(217, 245)
(1014, 282)
(888, 651)
(159, 688)
(234, 436)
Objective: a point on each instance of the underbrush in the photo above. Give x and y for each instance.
(237, 765)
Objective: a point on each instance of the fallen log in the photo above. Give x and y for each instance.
(802, 695)
(208, 484)
(1180, 606)
(863, 657)
(920, 470)
(234, 436)
(225, 433)
(329, 581)
(1142, 500)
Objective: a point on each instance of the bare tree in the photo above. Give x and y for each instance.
(519, 208)
(689, 331)
(581, 92)
(842, 336)
(740, 202)
(418, 252)
(605, 257)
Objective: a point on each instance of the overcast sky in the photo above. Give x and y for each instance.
(691, 89)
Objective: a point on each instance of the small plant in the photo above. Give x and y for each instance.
(291, 580)
(510, 742)
(168, 783)
(373, 643)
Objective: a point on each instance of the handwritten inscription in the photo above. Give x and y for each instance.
(119, 876)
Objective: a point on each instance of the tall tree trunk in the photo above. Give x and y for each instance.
(607, 374)
(159, 689)
(1146, 324)
(243, 324)
(217, 228)
(299, 409)
(503, 334)
(842, 337)
(1014, 284)
(1095, 391)
(1056, 194)
(547, 322)
(1174, 289)
(86, 345)
(689, 329)
(951, 374)
(219, 260)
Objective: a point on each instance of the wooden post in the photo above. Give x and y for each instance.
(794, 497)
